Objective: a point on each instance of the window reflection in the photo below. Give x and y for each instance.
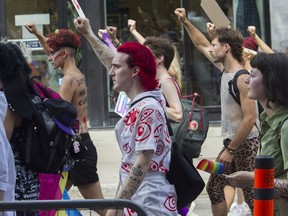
(155, 18)
(38, 11)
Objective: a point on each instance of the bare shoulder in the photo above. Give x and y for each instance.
(168, 84)
(242, 86)
(74, 79)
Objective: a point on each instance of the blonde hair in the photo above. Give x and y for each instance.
(175, 68)
(26, 51)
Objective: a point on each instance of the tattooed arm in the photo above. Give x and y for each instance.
(281, 188)
(136, 175)
(134, 179)
(103, 52)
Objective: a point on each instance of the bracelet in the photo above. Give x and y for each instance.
(117, 45)
(231, 151)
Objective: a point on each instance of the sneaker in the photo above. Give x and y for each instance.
(190, 213)
(247, 211)
(239, 210)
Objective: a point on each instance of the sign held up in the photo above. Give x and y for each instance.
(215, 14)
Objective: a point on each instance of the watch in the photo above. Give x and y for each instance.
(231, 151)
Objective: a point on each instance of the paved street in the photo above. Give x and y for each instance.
(109, 160)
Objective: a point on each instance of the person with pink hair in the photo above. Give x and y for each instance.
(142, 133)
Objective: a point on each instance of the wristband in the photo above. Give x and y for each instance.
(231, 151)
(117, 45)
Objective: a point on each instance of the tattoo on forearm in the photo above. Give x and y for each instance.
(135, 179)
(137, 171)
(281, 187)
(105, 55)
(123, 193)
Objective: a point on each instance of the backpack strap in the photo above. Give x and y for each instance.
(176, 86)
(234, 91)
(150, 96)
(177, 89)
(233, 88)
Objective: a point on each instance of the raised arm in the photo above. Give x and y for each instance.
(134, 32)
(112, 32)
(31, 27)
(103, 52)
(210, 28)
(197, 38)
(263, 46)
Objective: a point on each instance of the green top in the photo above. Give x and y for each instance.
(275, 139)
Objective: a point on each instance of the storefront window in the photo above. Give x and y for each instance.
(155, 18)
(44, 14)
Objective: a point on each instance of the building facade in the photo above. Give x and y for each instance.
(153, 17)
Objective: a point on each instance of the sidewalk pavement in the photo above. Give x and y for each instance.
(109, 157)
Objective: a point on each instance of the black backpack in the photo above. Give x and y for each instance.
(234, 91)
(51, 145)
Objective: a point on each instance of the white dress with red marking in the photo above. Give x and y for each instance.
(144, 128)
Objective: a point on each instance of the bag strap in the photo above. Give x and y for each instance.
(195, 96)
(233, 88)
(174, 147)
(177, 87)
(168, 123)
(140, 99)
(234, 91)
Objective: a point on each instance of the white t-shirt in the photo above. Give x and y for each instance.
(144, 127)
(7, 164)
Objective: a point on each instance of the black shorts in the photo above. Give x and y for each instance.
(85, 172)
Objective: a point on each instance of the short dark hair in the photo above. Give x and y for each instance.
(142, 57)
(274, 69)
(161, 46)
(233, 38)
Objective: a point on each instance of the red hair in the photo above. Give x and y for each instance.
(64, 38)
(141, 56)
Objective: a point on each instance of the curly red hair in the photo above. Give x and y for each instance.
(64, 38)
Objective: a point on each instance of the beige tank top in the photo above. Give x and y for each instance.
(231, 113)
